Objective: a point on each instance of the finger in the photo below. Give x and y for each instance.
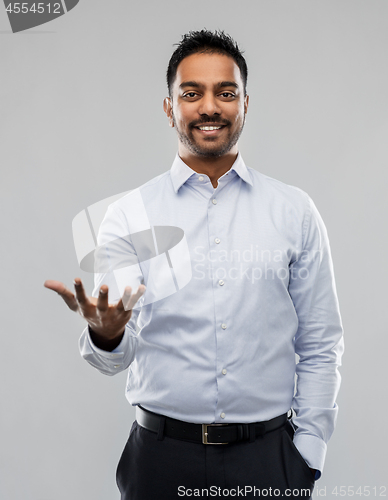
(65, 293)
(124, 299)
(129, 301)
(80, 294)
(102, 301)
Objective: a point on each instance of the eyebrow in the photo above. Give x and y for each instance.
(194, 84)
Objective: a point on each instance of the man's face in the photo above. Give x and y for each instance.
(207, 93)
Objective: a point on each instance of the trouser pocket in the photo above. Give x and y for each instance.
(297, 472)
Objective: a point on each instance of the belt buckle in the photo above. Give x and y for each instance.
(205, 433)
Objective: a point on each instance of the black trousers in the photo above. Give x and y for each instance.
(271, 466)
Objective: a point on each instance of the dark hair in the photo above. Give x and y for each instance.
(206, 41)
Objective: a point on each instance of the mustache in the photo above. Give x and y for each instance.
(214, 120)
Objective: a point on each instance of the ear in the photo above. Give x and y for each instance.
(167, 108)
(246, 102)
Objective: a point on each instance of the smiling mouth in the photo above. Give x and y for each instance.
(209, 127)
(209, 130)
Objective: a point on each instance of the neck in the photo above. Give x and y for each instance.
(214, 168)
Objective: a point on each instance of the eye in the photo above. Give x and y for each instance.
(227, 95)
(190, 95)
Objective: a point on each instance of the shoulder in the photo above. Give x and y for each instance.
(142, 193)
(279, 192)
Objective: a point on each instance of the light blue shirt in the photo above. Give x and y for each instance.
(257, 291)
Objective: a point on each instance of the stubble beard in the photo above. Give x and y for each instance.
(211, 151)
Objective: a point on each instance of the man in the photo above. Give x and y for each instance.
(221, 350)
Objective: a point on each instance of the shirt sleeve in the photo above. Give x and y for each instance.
(114, 255)
(109, 363)
(318, 342)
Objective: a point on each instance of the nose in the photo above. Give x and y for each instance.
(209, 105)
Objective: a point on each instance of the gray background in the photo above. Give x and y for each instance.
(81, 120)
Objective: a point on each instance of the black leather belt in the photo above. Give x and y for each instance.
(206, 433)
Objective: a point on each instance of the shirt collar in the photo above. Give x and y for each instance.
(180, 172)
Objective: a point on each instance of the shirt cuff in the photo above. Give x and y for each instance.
(109, 362)
(120, 349)
(313, 450)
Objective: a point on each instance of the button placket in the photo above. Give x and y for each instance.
(216, 238)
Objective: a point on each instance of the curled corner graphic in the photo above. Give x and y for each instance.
(25, 15)
(70, 4)
(163, 250)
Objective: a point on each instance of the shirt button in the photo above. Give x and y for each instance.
(116, 366)
(221, 282)
(217, 240)
(222, 415)
(214, 201)
(200, 178)
(223, 326)
(224, 371)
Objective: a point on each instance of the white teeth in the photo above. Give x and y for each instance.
(209, 128)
